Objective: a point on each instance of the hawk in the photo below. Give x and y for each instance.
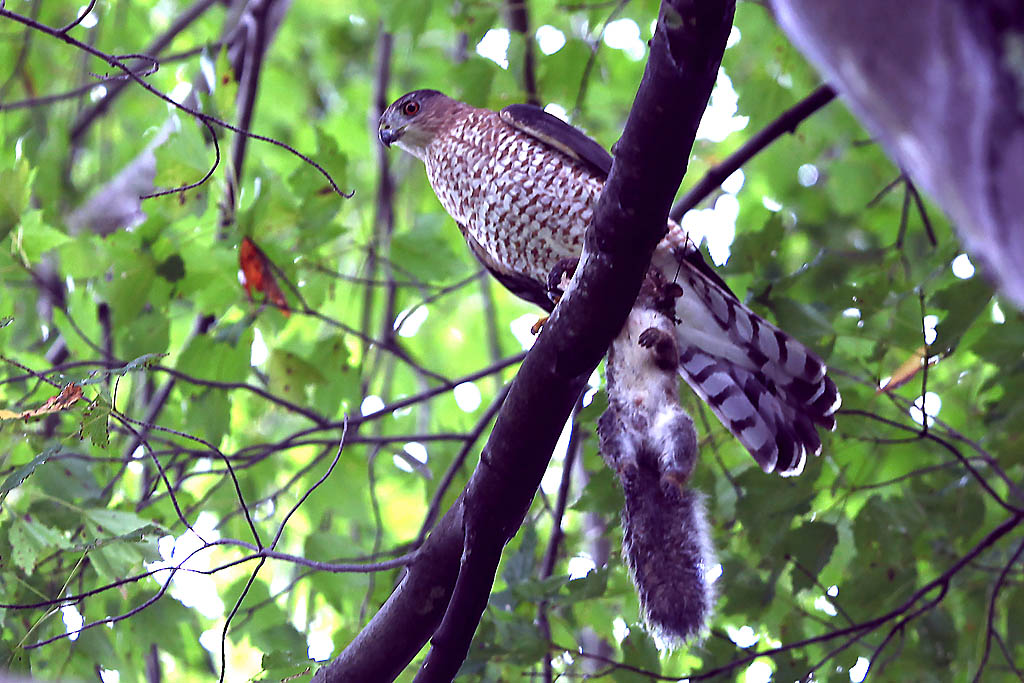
(522, 185)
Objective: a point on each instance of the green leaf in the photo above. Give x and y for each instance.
(18, 476)
(115, 560)
(280, 636)
(811, 546)
(939, 636)
(225, 90)
(310, 184)
(521, 565)
(518, 637)
(427, 252)
(94, 421)
(802, 320)
(15, 191)
(105, 522)
(283, 665)
(405, 17)
(603, 495)
(210, 413)
(291, 375)
(149, 334)
(30, 539)
(964, 302)
(183, 159)
(68, 480)
(206, 358)
(34, 237)
(172, 268)
(639, 651)
(745, 591)
(593, 585)
(1000, 345)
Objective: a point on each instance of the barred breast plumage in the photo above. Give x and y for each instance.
(522, 201)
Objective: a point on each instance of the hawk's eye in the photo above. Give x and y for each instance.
(411, 108)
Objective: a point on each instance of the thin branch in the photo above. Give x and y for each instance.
(547, 565)
(457, 462)
(595, 46)
(949, 447)
(46, 100)
(210, 120)
(787, 122)
(518, 17)
(990, 621)
(858, 631)
(183, 21)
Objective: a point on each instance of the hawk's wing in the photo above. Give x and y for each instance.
(556, 133)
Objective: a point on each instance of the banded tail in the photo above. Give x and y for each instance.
(765, 387)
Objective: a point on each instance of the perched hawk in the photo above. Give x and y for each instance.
(522, 186)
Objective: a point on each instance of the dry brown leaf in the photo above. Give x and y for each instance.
(258, 275)
(68, 396)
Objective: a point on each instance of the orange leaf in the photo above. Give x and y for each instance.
(258, 275)
(907, 370)
(67, 397)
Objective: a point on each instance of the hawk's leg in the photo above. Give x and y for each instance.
(558, 281)
(558, 278)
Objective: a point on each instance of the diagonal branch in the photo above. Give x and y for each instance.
(630, 220)
(190, 15)
(785, 123)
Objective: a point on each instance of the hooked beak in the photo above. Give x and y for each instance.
(387, 134)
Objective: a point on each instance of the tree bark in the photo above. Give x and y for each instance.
(629, 221)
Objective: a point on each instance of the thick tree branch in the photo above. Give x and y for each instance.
(397, 632)
(629, 222)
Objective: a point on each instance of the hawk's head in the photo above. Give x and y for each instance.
(414, 120)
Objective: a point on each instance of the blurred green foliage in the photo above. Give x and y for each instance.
(837, 262)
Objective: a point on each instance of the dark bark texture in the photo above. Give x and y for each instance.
(630, 220)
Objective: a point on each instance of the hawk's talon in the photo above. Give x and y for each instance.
(666, 300)
(558, 278)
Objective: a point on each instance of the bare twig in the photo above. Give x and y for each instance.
(785, 123)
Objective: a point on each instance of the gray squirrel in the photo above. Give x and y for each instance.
(650, 442)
